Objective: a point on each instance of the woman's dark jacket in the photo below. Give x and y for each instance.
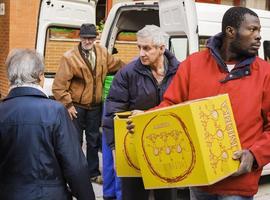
(134, 87)
(39, 150)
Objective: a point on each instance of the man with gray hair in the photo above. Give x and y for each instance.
(140, 85)
(39, 149)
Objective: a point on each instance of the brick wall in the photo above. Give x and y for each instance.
(23, 23)
(18, 30)
(56, 48)
(127, 51)
(4, 46)
(54, 51)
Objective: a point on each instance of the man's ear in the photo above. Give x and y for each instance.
(41, 79)
(162, 48)
(230, 32)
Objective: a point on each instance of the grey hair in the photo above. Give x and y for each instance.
(24, 66)
(158, 36)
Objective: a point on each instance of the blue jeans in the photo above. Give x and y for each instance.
(197, 194)
(111, 183)
(90, 120)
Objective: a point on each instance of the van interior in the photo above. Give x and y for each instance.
(122, 37)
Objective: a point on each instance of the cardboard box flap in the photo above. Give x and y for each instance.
(123, 115)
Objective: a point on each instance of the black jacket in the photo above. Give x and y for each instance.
(134, 87)
(39, 150)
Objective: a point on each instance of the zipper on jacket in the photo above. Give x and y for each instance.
(94, 73)
(158, 94)
(94, 87)
(84, 85)
(159, 87)
(154, 81)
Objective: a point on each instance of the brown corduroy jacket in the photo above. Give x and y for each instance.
(76, 83)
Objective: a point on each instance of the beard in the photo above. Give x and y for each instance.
(86, 48)
(241, 52)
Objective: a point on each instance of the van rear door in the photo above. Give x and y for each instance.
(63, 13)
(61, 16)
(179, 19)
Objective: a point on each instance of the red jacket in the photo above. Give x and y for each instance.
(201, 76)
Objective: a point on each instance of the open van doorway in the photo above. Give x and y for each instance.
(58, 30)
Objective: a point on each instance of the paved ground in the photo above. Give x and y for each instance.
(263, 193)
(264, 189)
(98, 191)
(97, 188)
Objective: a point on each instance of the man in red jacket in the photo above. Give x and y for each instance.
(230, 65)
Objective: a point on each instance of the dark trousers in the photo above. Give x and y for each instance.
(133, 189)
(90, 120)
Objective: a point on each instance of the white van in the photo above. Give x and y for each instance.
(189, 30)
(189, 25)
(58, 30)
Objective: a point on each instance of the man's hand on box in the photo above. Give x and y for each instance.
(130, 126)
(246, 161)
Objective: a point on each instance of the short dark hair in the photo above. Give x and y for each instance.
(234, 17)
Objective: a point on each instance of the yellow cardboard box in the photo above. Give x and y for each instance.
(188, 144)
(127, 164)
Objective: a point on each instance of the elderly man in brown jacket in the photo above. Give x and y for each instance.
(78, 84)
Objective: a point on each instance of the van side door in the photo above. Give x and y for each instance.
(58, 31)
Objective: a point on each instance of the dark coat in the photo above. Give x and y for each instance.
(39, 150)
(134, 87)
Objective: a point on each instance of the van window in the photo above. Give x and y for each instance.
(179, 47)
(58, 41)
(266, 49)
